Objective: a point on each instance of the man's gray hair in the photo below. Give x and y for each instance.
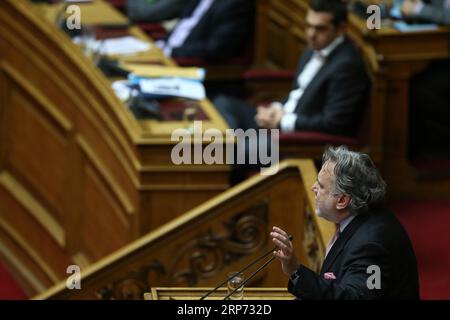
(356, 176)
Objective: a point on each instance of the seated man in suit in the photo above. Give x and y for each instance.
(212, 30)
(155, 10)
(331, 87)
(370, 256)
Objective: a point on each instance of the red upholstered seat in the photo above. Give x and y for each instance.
(269, 75)
(154, 30)
(188, 61)
(119, 4)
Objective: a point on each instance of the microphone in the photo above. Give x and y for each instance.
(244, 269)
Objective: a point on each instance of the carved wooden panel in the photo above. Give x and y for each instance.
(201, 257)
(312, 243)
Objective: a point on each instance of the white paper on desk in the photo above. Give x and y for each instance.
(123, 46)
(122, 90)
(173, 87)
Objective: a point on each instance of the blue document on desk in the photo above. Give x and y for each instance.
(414, 27)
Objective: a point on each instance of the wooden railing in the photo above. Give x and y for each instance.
(224, 234)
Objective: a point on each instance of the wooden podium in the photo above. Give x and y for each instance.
(197, 293)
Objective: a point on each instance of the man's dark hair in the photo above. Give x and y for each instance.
(337, 8)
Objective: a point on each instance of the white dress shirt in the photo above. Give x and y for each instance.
(305, 77)
(344, 223)
(184, 28)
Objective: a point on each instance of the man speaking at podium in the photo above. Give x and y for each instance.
(370, 256)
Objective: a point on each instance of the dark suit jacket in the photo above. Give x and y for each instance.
(375, 238)
(335, 99)
(222, 33)
(157, 11)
